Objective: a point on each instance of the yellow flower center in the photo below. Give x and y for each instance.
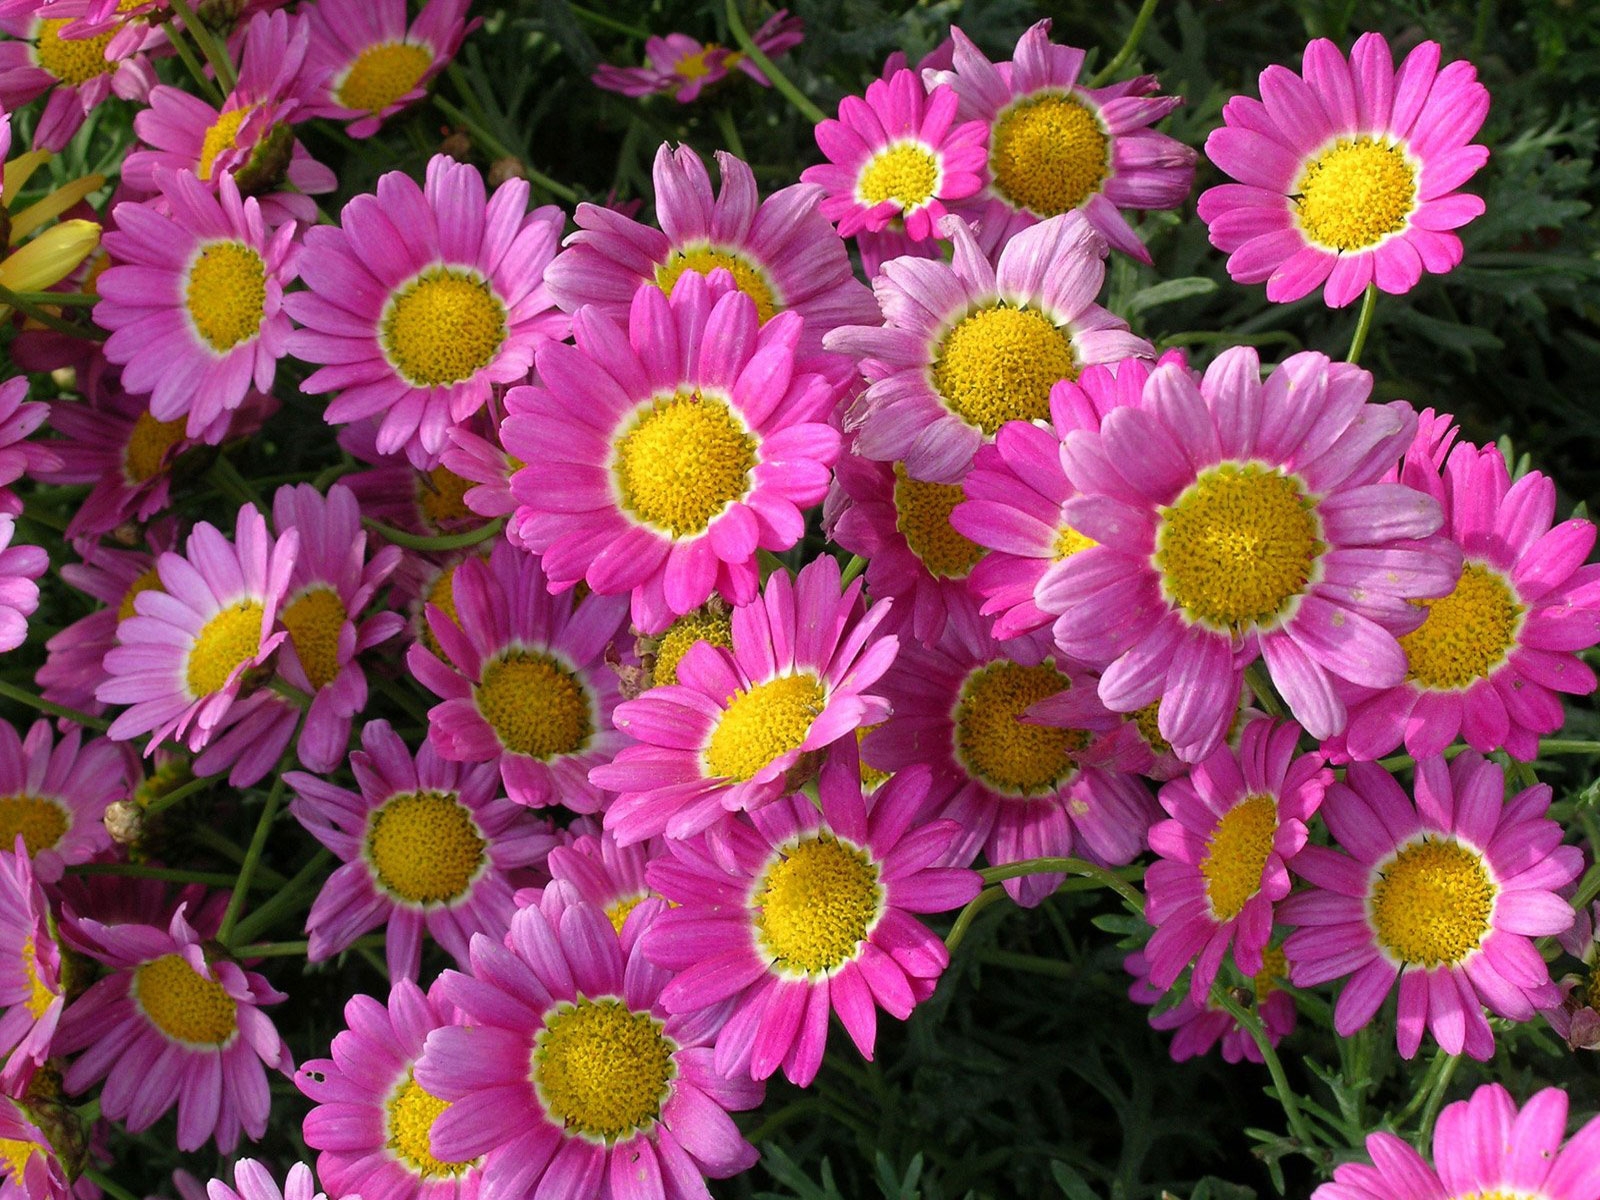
(1356, 194)
(535, 705)
(220, 137)
(41, 820)
(40, 996)
(226, 294)
(998, 364)
(758, 725)
(229, 639)
(1431, 903)
(694, 66)
(72, 60)
(14, 1154)
(1069, 542)
(751, 279)
(1467, 634)
(816, 904)
(425, 847)
(441, 495)
(1591, 987)
(1148, 721)
(412, 1111)
(602, 1070)
(381, 74)
(908, 174)
(1237, 854)
(617, 913)
(444, 326)
(871, 777)
(922, 514)
(682, 461)
(1049, 153)
(149, 580)
(441, 594)
(683, 635)
(183, 1004)
(1274, 970)
(996, 747)
(1238, 546)
(314, 620)
(147, 447)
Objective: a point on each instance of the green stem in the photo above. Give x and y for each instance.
(1261, 684)
(1120, 59)
(258, 843)
(165, 874)
(967, 915)
(1031, 963)
(34, 312)
(730, 133)
(69, 299)
(225, 477)
(1430, 1113)
(197, 69)
(1424, 1089)
(288, 897)
(103, 1181)
(442, 541)
(204, 835)
(289, 949)
(216, 53)
(854, 567)
(777, 78)
(1251, 1024)
(23, 696)
(500, 150)
(1363, 324)
(416, 706)
(161, 803)
(1567, 746)
(1067, 866)
(605, 22)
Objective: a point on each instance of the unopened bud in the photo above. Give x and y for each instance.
(125, 822)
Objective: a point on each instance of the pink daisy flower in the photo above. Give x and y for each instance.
(19, 457)
(252, 1181)
(32, 1168)
(593, 869)
(1197, 1023)
(30, 970)
(897, 156)
(194, 299)
(968, 345)
(332, 584)
(621, 1097)
(54, 794)
(523, 680)
(1237, 820)
(184, 652)
(1237, 518)
(485, 471)
(170, 1026)
(682, 68)
(1349, 175)
(1482, 1146)
(731, 734)
(793, 913)
(424, 502)
(1017, 789)
(662, 457)
(1444, 895)
(372, 1121)
(249, 137)
(1056, 146)
(1492, 656)
(77, 72)
(19, 594)
(371, 62)
(426, 843)
(453, 304)
(782, 251)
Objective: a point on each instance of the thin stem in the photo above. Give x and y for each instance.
(225, 477)
(443, 541)
(605, 22)
(1424, 1089)
(258, 843)
(204, 835)
(68, 299)
(1430, 1113)
(500, 150)
(730, 133)
(104, 1182)
(777, 78)
(1567, 746)
(1369, 301)
(1120, 59)
(1251, 1024)
(23, 696)
(854, 567)
(967, 915)
(216, 53)
(197, 69)
(165, 874)
(161, 803)
(1261, 684)
(1067, 866)
(288, 897)
(34, 312)
(288, 949)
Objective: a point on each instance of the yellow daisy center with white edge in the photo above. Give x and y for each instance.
(1049, 153)
(381, 74)
(183, 1004)
(410, 1113)
(536, 704)
(998, 364)
(994, 745)
(1236, 854)
(1355, 194)
(704, 259)
(907, 173)
(443, 327)
(681, 461)
(762, 723)
(601, 1070)
(1431, 903)
(73, 61)
(148, 442)
(815, 903)
(1468, 633)
(425, 847)
(228, 640)
(314, 619)
(226, 294)
(922, 513)
(41, 820)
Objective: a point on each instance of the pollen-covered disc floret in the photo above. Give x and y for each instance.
(1237, 518)
(54, 793)
(711, 443)
(825, 922)
(565, 1030)
(968, 345)
(426, 844)
(32, 992)
(1441, 894)
(372, 61)
(1349, 175)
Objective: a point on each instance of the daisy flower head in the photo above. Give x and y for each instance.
(796, 913)
(427, 844)
(372, 1118)
(968, 345)
(54, 794)
(1236, 821)
(1198, 1023)
(31, 988)
(662, 457)
(194, 299)
(371, 62)
(523, 680)
(183, 654)
(593, 869)
(897, 156)
(1056, 146)
(1347, 174)
(1491, 658)
(32, 1168)
(1443, 894)
(782, 252)
(252, 1181)
(78, 73)
(453, 304)
(1236, 518)
(569, 1077)
(733, 733)
(1017, 788)
(171, 1026)
(681, 67)
(20, 566)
